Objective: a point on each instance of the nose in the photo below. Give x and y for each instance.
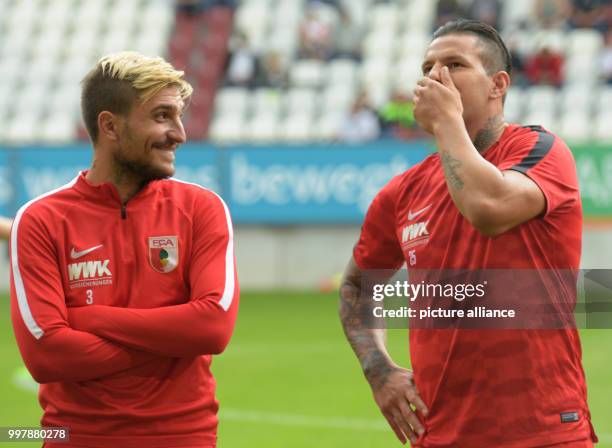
(434, 72)
(177, 133)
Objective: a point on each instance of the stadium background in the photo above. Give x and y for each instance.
(301, 113)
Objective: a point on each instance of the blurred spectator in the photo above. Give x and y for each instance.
(397, 117)
(315, 36)
(518, 75)
(361, 124)
(606, 59)
(447, 10)
(272, 71)
(192, 7)
(590, 14)
(347, 38)
(189, 7)
(545, 68)
(484, 10)
(242, 66)
(317, 3)
(552, 13)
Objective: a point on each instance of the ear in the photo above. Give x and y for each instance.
(501, 82)
(108, 125)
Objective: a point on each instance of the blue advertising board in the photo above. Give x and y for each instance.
(272, 185)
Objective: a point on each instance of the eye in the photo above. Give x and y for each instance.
(161, 116)
(455, 65)
(426, 69)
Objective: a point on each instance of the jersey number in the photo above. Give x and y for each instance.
(89, 300)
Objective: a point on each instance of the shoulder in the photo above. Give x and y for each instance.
(536, 144)
(190, 192)
(46, 208)
(195, 199)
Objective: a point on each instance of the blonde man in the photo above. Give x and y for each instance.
(123, 281)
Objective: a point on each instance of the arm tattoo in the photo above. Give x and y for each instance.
(450, 165)
(354, 314)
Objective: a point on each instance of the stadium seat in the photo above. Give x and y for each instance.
(553, 39)
(227, 129)
(338, 98)
(375, 71)
(516, 13)
(297, 128)
(58, 129)
(407, 73)
(542, 99)
(306, 73)
(327, 126)
(384, 16)
(266, 101)
(513, 107)
(22, 128)
(263, 128)
(578, 98)
(574, 126)
(419, 16)
(602, 129)
(301, 101)
(252, 19)
(379, 43)
(541, 117)
(232, 100)
(585, 41)
(581, 69)
(412, 44)
(604, 100)
(341, 72)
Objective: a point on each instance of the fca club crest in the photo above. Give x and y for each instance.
(163, 253)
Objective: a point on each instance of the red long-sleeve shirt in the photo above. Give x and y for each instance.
(117, 310)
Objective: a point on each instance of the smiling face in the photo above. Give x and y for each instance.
(466, 56)
(149, 135)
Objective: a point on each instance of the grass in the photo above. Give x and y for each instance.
(289, 379)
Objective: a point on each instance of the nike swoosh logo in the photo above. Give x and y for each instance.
(74, 254)
(411, 215)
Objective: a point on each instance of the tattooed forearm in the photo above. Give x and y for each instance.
(451, 165)
(367, 342)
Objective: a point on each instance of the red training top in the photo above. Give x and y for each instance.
(502, 388)
(117, 310)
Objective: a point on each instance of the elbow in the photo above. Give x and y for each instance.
(483, 218)
(219, 343)
(42, 373)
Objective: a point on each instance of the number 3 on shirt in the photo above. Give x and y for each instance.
(89, 300)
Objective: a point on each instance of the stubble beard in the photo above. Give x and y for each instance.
(138, 170)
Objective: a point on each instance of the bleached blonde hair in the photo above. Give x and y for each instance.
(120, 79)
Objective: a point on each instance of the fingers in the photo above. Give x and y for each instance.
(409, 422)
(445, 77)
(413, 397)
(395, 427)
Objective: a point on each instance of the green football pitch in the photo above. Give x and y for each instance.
(288, 379)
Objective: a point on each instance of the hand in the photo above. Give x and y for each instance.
(394, 396)
(436, 102)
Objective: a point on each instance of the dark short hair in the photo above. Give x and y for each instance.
(495, 55)
(102, 92)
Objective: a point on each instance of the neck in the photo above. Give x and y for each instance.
(126, 183)
(489, 133)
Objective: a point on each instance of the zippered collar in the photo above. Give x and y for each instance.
(107, 192)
